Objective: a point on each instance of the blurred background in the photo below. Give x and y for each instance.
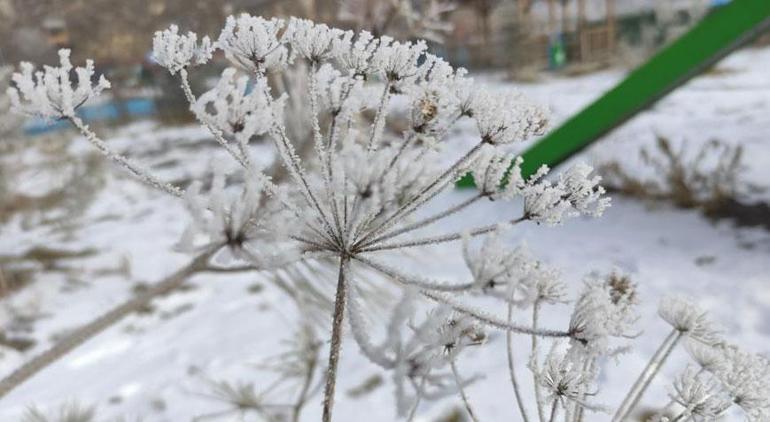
(688, 175)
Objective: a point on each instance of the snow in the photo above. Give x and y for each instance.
(155, 365)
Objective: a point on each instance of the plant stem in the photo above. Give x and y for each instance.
(512, 369)
(106, 320)
(646, 377)
(535, 365)
(554, 410)
(413, 412)
(303, 394)
(143, 174)
(464, 396)
(430, 220)
(336, 341)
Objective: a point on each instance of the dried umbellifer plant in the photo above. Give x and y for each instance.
(363, 198)
(709, 177)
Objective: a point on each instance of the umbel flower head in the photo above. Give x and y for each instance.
(700, 394)
(605, 309)
(566, 379)
(253, 42)
(235, 110)
(746, 377)
(176, 51)
(353, 189)
(51, 93)
(240, 226)
(689, 319)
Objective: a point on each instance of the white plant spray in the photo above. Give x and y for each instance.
(358, 198)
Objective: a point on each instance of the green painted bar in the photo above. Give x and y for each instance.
(722, 31)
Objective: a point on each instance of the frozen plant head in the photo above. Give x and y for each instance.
(314, 42)
(238, 225)
(253, 42)
(700, 394)
(233, 108)
(605, 309)
(176, 51)
(746, 377)
(689, 319)
(50, 93)
(566, 380)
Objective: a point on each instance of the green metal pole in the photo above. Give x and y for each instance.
(723, 30)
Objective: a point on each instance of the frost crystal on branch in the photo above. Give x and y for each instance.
(51, 93)
(176, 52)
(313, 42)
(606, 309)
(253, 42)
(689, 319)
(503, 118)
(746, 377)
(575, 193)
(700, 394)
(233, 109)
(241, 225)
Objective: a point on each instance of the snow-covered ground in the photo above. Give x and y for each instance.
(154, 365)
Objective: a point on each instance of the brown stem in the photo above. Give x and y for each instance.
(336, 341)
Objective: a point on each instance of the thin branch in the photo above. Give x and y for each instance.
(490, 319)
(512, 367)
(417, 400)
(535, 365)
(379, 118)
(646, 377)
(416, 281)
(424, 194)
(143, 174)
(461, 389)
(243, 160)
(430, 220)
(554, 410)
(451, 237)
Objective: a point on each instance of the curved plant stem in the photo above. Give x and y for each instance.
(461, 389)
(512, 368)
(336, 341)
(106, 320)
(141, 173)
(646, 377)
(417, 400)
(536, 366)
(554, 410)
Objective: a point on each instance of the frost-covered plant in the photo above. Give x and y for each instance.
(71, 412)
(10, 123)
(710, 176)
(363, 195)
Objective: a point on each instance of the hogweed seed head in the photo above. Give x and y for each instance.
(689, 319)
(700, 394)
(176, 51)
(254, 43)
(235, 110)
(50, 93)
(603, 311)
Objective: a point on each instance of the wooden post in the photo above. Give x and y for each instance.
(551, 17)
(581, 30)
(611, 25)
